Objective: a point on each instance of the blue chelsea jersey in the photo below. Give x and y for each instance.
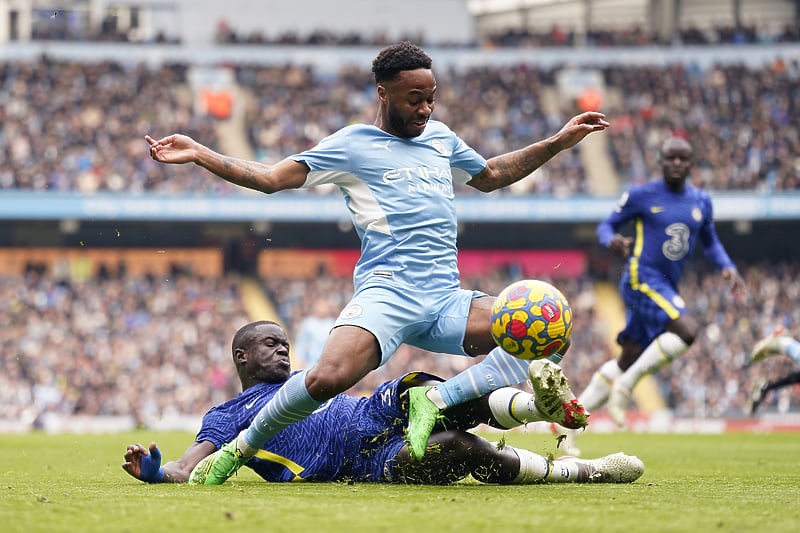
(667, 227)
(399, 192)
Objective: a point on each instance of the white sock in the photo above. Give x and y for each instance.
(790, 347)
(563, 471)
(596, 392)
(664, 349)
(435, 396)
(533, 468)
(512, 407)
(244, 447)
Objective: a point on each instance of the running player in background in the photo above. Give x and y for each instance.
(779, 342)
(362, 439)
(669, 217)
(397, 177)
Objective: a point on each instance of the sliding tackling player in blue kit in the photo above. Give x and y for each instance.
(362, 439)
(397, 178)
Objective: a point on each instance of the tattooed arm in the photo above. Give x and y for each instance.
(503, 170)
(286, 174)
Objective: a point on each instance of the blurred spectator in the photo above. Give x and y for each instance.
(312, 331)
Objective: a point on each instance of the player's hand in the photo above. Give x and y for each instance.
(144, 464)
(172, 149)
(621, 245)
(579, 127)
(738, 285)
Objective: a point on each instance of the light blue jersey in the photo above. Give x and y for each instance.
(400, 195)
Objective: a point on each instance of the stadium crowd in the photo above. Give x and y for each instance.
(150, 347)
(746, 32)
(741, 122)
(635, 35)
(556, 36)
(50, 110)
(116, 345)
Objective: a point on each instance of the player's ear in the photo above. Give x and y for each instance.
(239, 356)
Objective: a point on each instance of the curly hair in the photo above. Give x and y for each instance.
(399, 57)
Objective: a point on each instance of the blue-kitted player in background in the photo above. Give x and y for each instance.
(669, 217)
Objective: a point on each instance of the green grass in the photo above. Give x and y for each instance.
(725, 483)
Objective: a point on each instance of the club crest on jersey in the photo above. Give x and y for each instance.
(697, 215)
(352, 311)
(439, 146)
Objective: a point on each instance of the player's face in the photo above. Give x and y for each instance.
(268, 355)
(407, 102)
(676, 162)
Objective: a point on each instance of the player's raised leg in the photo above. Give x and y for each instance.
(593, 397)
(497, 370)
(775, 343)
(507, 321)
(663, 350)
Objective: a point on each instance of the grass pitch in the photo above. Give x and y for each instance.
(721, 483)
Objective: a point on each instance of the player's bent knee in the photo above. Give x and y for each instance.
(322, 385)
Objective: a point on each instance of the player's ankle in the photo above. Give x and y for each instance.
(244, 448)
(435, 396)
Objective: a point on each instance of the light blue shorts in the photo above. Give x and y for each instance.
(432, 320)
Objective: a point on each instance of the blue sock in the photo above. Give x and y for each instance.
(793, 350)
(291, 403)
(499, 369)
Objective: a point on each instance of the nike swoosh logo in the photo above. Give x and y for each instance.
(249, 405)
(656, 209)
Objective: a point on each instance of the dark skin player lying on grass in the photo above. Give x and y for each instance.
(362, 438)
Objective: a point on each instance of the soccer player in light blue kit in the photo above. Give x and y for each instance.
(780, 341)
(362, 438)
(397, 179)
(669, 217)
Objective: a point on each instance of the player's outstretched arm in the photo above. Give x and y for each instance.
(738, 284)
(179, 149)
(503, 170)
(145, 463)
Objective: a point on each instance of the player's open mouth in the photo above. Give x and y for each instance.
(419, 125)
